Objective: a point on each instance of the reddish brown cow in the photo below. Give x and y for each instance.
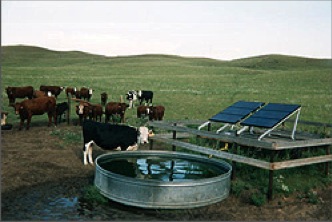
(38, 106)
(115, 108)
(55, 90)
(95, 111)
(103, 98)
(38, 93)
(71, 91)
(142, 111)
(86, 93)
(82, 110)
(19, 92)
(156, 112)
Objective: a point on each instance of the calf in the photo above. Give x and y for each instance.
(71, 91)
(95, 111)
(156, 112)
(114, 109)
(55, 90)
(38, 106)
(61, 108)
(110, 137)
(103, 98)
(86, 93)
(19, 92)
(146, 96)
(142, 111)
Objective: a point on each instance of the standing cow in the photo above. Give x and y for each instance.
(86, 93)
(115, 109)
(110, 137)
(55, 90)
(131, 96)
(19, 92)
(156, 112)
(146, 96)
(103, 98)
(38, 106)
(82, 110)
(71, 91)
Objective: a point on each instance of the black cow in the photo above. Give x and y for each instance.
(61, 108)
(110, 137)
(146, 96)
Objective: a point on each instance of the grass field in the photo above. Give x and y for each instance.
(189, 88)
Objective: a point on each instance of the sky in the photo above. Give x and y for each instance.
(222, 30)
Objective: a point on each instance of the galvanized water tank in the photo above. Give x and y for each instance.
(161, 194)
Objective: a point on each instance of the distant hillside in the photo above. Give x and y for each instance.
(28, 56)
(281, 62)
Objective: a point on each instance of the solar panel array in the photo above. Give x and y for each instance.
(236, 112)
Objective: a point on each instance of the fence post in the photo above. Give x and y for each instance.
(174, 137)
(234, 150)
(68, 111)
(327, 163)
(270, 189)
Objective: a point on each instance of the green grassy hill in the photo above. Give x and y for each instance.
(189, 88)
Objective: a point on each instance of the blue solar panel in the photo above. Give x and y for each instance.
(236, 112)
(270, 115)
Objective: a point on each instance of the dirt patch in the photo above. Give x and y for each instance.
(43, 178)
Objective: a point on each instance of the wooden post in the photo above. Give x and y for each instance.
(68, 111)
(327, 165)
(174, 137)
(234, 150)
(270, 189)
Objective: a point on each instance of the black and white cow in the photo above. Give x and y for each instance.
(131, 96)
(111, 137)
(146, 96)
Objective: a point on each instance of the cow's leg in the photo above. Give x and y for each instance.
(87, 153)
(28, 121)
(21, 124)
(49, 119)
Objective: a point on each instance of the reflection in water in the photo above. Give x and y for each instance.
(162, 169)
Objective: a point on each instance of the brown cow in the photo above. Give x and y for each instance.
(103, 98)
(19, 92)
(38, 93)
(86, 93)
(142, 111)
(156, 112)
(55, 90)
(82, 110)
(115, 108)
(95, 111)
(71, 91)
(38, 106)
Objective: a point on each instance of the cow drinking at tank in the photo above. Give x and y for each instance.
(38, 106)
(111, 137)
(146, 96)
(19, 92)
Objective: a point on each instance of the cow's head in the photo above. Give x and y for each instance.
(144, 134)
(17, 107)
(3, 118)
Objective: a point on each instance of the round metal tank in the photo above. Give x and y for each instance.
(158, 192)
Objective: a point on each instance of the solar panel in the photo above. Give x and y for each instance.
(270, 115)
(236, 112)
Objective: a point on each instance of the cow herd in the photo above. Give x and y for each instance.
(44, 100)
(106, 136)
